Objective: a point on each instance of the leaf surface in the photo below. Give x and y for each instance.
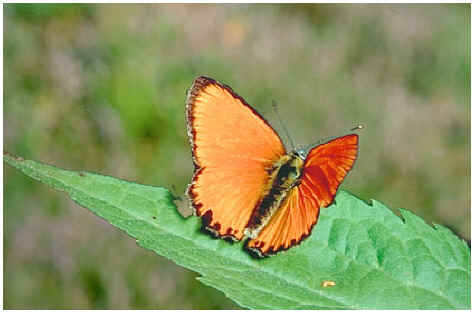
(376, 259)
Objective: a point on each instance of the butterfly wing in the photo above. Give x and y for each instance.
(233, 148)
(324, 169)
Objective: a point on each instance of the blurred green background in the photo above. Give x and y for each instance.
(101, 88)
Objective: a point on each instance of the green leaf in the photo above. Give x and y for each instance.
(375, 259)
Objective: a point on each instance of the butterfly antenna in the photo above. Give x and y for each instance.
(287, 134)
(306, 148)
(360, 126)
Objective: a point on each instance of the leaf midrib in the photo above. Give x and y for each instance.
(133, 214)
(265, 290)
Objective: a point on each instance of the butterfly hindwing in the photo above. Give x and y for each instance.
(324, 169)
(233, 148)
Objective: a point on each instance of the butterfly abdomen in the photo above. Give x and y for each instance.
(284, 175)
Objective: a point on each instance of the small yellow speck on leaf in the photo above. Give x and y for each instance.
(328, 283)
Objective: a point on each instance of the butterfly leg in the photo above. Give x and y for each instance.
(296, 183)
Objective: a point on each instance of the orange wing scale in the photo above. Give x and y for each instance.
(324, 169)
(233, 146)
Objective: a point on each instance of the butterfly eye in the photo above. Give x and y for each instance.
(301, 153)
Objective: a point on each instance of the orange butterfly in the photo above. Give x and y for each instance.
(245, 184)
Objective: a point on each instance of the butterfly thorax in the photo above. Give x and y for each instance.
(284, 175)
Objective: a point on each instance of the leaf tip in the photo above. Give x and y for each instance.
(8, 156)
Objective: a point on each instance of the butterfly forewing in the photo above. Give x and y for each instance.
(324, 169)
(327, 165)
(233, 148)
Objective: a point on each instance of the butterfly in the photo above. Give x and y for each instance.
(245, 184)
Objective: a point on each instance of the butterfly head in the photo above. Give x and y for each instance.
(301, 153)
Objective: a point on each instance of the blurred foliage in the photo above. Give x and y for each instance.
(102, 88)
